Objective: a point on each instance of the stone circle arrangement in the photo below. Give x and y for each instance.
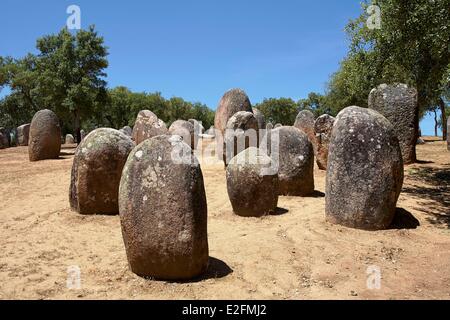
(150, 176)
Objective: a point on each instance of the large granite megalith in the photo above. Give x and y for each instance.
(398, 103)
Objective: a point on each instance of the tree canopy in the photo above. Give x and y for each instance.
(68, 76)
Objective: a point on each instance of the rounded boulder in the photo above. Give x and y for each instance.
(233, 101)
(292, 150)
(96, 171)
(163, 210)
(365, 170)
(241, 133)
(69, 139)
(23, 134)
(252, 184)
(148, 125)
(186, 130)
(259, 118)
(45, 136)
(305, 122)
(323, 127)
(127, 130)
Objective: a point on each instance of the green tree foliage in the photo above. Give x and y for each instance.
(67, 76)
(412, 46)
(316, 103)
(281, 110)
(123, 106)
(70, 72)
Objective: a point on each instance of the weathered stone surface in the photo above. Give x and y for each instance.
(233, 101)
(69, 139)
(295, 155)
(305, 122)
(259, 118)
(278, 125)
(448, 133)
(13, 137)
(323, 127)
(148, 125)
(198, 127)
(365, 170)
(186, 130)
(96, 171)
(4, 141)
(211, 132)
(241, 133)
(45, 136)
(253, 191)
(82, 134)
(127, 130)
(23, 133)
(398, 104)
(163, 211)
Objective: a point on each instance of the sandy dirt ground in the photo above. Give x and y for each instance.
(294, 254)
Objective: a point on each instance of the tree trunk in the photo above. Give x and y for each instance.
(435, 123)
(76, 125)
(444, 119)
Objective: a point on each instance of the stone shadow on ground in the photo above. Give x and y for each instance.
(432, 187)
(279, 211)
(404, 219)
(317, 194)
(216, 269)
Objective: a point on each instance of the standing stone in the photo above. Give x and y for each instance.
(259, 118)
(163, 211)
(13, 137)
(233, 101)
(365, 170)
(252, 187)
(305, 122)
(45, 136)
(198, 127)
(295, 156)
(448, 133)
(4, 142)
(184, 129)
(69, 139)
(23, 133)
(323, 127)
(127, 130)
(398, 104)
(241, 133)
(148, 125)
(210, 132)
(96, 171)
(82, 134)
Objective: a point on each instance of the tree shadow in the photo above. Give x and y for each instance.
(404, 219)
(279, 211)
(432, 187)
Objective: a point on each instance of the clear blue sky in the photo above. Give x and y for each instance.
(198, 49)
